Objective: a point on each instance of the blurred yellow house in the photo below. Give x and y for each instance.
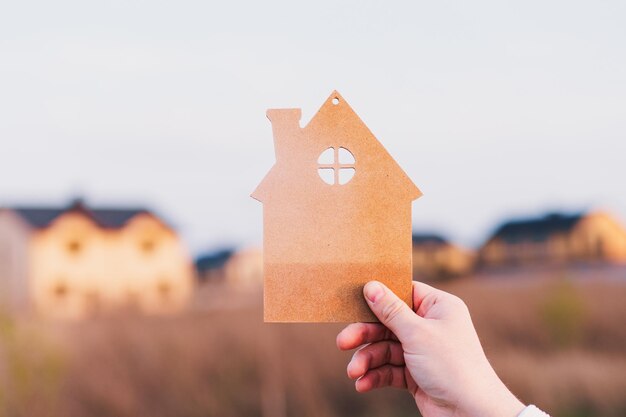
(78, 261)
(556, 238)
(436, 258)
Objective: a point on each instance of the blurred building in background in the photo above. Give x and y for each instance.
(77, 261)
(556, 238)
(229, 279)
(434, 257)
(242, 268)
(210, 266)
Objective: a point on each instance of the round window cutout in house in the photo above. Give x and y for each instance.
(335, 166)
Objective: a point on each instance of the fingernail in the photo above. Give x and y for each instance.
(373, 291)
(348, 370)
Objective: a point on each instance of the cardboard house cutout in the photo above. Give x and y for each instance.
(336, 214)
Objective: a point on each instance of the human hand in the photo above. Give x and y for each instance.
(433, 351)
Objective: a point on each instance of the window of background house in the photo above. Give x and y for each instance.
(147, 245)
(74, 246)
(336, 166)
(60, 290)
(165, 290)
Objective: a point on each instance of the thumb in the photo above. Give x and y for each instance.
(394, 313)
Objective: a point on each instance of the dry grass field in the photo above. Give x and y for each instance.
(558, 341)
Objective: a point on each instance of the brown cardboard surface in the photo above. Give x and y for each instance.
(322, 242)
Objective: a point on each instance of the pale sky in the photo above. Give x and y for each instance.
(492, 108)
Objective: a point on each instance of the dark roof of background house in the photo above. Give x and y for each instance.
(214, 260)
(115, 218)
(38, 217)
(428, 238)
(537, 229)
(111, 218)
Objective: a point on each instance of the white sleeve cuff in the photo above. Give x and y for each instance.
(532, 411)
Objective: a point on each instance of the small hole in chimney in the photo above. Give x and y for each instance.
(335, 101)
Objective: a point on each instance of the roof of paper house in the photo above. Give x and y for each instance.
(335, 113)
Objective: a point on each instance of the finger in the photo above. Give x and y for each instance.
(357, 334)
(391, 310)
(385, 376)
(373, 356)
(424, 297)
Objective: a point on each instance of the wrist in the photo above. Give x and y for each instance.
(491, 398)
